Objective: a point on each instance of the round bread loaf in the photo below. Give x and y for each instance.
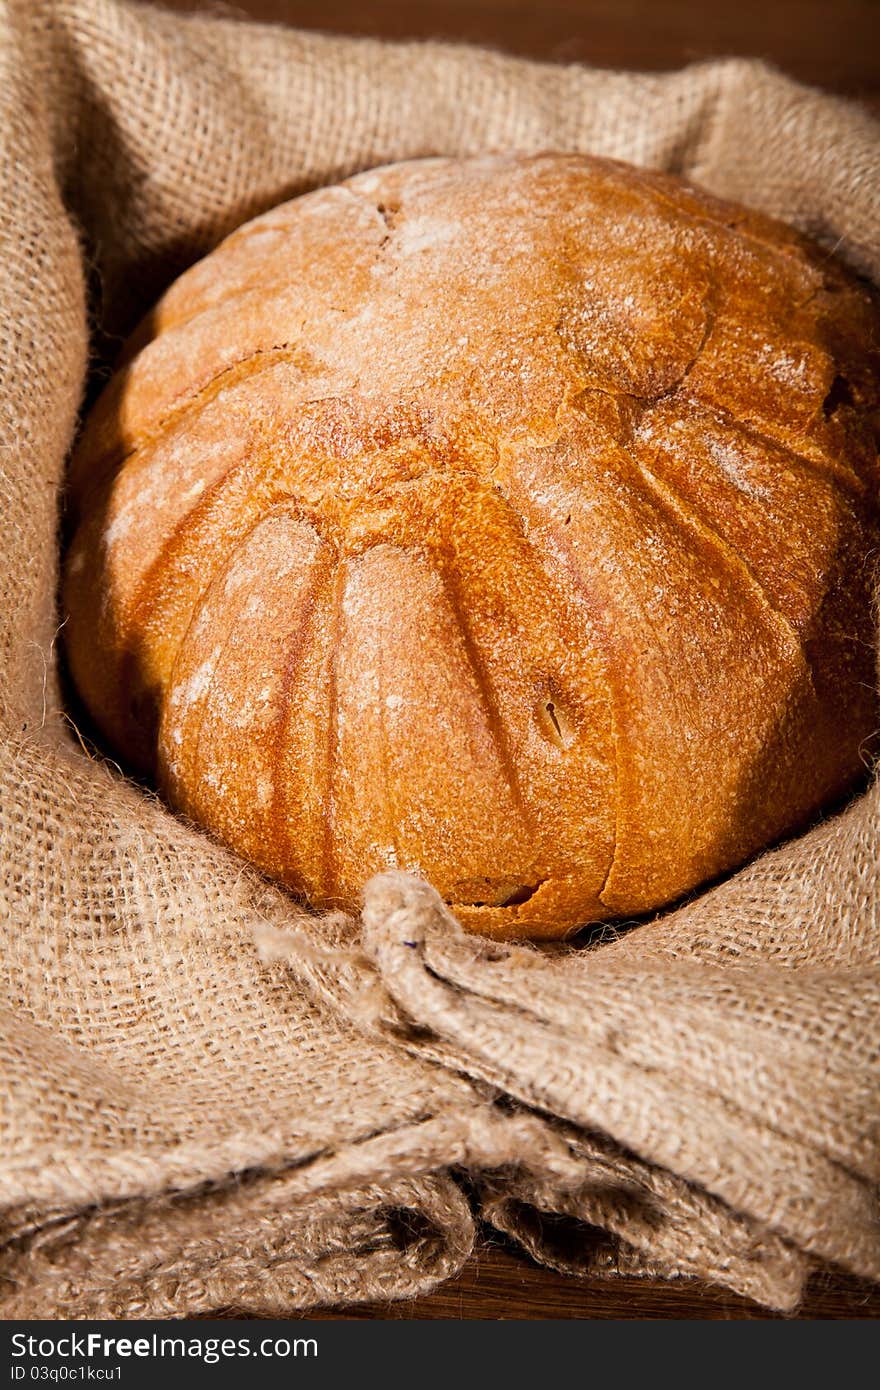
(507, 520)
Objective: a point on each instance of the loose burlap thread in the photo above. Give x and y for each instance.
(210, 1097)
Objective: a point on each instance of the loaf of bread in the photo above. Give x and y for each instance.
(507, 520)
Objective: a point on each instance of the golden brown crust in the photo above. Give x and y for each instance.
(507, 520)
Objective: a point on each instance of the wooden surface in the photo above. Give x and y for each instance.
(498, 1282)
(831, 43)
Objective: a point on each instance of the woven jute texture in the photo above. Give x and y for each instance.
(211, 1098)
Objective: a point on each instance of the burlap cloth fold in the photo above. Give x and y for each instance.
(207, 1096)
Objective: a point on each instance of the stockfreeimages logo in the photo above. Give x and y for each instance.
(95, 1346)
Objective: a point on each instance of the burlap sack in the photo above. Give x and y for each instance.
(209, 1097)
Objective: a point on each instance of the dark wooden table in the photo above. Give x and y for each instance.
(500, 1282)
(830, 43)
